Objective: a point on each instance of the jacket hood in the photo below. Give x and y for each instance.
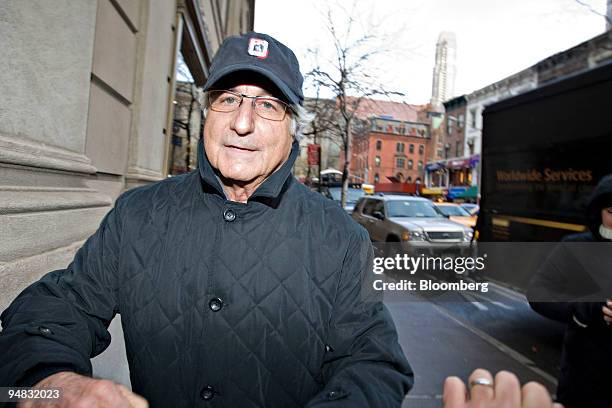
(270, 188)
(600, 198)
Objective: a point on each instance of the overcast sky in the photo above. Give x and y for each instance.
(495, 38)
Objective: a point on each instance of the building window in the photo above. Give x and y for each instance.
(473, 118)
(410, 164)
(376, 178)
(460, 121)
(420, 164)
(399, 162)
(377, 161)
(457, 152)
(399, 147)
(411, 148)
(421, 149)
(378, 144)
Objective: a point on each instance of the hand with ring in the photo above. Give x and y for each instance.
(503, 391)
(607, 312)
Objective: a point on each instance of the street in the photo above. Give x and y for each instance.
(458, 332)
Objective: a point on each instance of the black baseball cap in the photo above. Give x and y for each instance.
(262, 54)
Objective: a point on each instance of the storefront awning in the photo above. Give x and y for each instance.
(471, 192)
(434, 166)
(433, 191)
(455, 192)
(458, 164)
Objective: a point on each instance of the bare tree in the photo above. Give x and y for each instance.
(592, 10)
(349, 75)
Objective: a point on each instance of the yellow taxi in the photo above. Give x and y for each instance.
(457, 213)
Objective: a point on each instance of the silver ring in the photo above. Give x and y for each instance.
(482, 381)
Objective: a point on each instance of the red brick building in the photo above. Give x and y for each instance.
(393, 145)
(393, 151)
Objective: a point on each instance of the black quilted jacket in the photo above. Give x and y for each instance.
(223, 304)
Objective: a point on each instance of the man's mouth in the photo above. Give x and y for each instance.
(240, 148)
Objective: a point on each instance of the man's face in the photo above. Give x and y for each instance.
(606, 217)
(243, 146)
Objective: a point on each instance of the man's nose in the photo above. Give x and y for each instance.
(243, 122)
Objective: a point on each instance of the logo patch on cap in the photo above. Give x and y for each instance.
(258, 48)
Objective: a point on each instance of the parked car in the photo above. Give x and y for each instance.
(335, 193)
(457, 213)
(471, 208)
(415, 222)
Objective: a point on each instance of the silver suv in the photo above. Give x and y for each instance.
(413, 221)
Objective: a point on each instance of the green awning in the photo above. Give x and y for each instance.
(471, 192)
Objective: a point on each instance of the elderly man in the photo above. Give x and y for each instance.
(237, 286)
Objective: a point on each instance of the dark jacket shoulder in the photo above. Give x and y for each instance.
(327, 211)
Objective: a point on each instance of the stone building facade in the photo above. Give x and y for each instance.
(87, 112)
(88, 90)
(187, 127)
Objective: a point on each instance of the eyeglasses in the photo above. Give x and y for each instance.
(264, 106)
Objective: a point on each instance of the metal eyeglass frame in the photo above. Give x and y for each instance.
(254, 99)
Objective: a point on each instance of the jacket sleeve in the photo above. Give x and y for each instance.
(548, 287)
(364, 364)
(60, 322)
(563, 290)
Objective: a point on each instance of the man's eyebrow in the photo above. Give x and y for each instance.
(266, 94)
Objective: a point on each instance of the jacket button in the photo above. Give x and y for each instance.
(45, 331)
(229, 215)
(207, 393)
(215, 304)
(336, 394)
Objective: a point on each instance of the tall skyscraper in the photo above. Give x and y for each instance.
(444, 71)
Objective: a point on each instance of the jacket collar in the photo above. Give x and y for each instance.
(270, 188)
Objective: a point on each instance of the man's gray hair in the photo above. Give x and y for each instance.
(300, 117)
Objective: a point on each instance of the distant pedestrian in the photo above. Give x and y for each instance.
(572, 286)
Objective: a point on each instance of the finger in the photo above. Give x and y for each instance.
(454, 394)
(135, 400)
(607, 311)
(481, 392)
(507, 389)
(557, 405)
(535, 396)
